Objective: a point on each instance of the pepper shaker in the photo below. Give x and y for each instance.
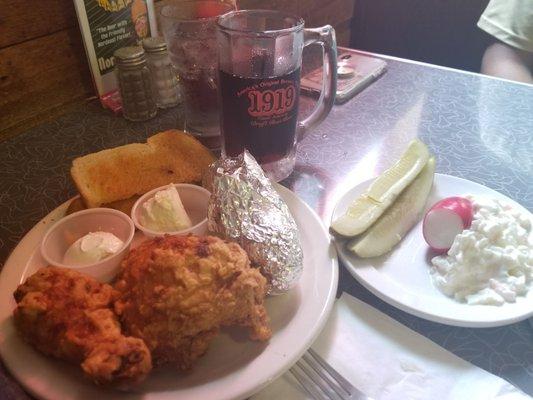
(135, 84)
(164, 76)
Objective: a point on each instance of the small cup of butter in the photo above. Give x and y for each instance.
(92, 241)
(175, 209)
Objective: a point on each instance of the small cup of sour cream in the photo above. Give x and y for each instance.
(92, 241)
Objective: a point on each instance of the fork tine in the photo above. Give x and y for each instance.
(324, 384)
(304, 381)
(347, 386)
(323, 373)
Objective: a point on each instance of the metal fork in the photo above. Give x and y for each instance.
(321, 381)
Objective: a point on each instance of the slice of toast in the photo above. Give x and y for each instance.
(134, 169)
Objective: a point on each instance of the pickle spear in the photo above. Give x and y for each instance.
(367, 208)
(392, 226)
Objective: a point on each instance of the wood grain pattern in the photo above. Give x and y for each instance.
(42, 74)
(343, 34)
(338, 13)
(22, 20)
(287, 6)
(330, 12)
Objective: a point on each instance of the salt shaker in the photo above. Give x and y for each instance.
(135, 84)
(164, 79)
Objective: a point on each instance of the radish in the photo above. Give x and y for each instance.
(445, 220)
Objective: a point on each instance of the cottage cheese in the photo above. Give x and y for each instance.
(492, 262)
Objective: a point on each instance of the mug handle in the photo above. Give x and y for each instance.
(325, 37)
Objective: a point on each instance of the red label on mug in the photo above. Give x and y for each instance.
(265, 103)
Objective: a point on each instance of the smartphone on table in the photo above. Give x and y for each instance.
(354, 73)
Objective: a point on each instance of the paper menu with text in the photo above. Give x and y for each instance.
(107, 25)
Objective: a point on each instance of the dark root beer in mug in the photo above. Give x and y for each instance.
(259, 114)
(260, 55)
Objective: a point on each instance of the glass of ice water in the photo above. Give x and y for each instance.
(189, 28)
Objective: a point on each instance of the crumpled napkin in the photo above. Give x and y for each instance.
(386, 360)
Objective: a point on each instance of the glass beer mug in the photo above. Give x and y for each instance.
(260, 56)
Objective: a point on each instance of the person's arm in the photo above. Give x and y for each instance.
(510, 22)
(507, 62)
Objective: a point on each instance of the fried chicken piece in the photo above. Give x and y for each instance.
(68, 315)
(176, 293)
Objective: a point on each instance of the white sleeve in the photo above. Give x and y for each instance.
(510, 21)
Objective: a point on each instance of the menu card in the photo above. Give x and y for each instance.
(107, 25)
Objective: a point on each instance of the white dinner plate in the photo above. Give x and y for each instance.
(402, 277)
(233, 368)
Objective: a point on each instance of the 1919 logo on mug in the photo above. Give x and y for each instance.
(266, 103)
